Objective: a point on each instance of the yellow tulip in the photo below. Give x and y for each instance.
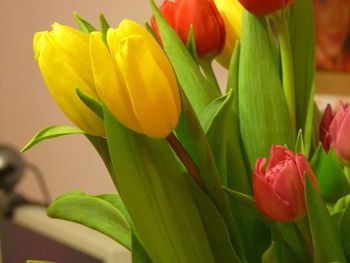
(231, 12)
(64, 60)
(135, 79)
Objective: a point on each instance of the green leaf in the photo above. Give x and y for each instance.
(101, 146)
(263, 113)
(270, 255)
(341, 216)
(208, 171)
(92, 103)
(84, 25)
(149, 29)
(214, 226)
(299, 145)
(104, 28)
(285, 232)
(329, 174)
(301, 29)
(191, 43)
(197, 89)
(92, 212)
(326, 241)
(233, 73)
(138, 252)
(155, 194)
(51, 132)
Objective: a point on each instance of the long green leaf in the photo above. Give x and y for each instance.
(214, 226)
(51, 132)
(293, 251)
(209, 173)
(154, 192)
(326, 241)
(263, 113)
(84, 25)
(197, 89)
(330, 175)
(301, 28)
(92, 212)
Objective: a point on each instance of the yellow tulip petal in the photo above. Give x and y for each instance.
(150, 91)
(75, 44)
(62, 81)
(108, 83)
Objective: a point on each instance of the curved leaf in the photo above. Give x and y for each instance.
(51, 132)
(92, 212)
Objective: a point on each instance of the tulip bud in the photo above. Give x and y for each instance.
(262, 8)
(279, 191)
(135, 79)
(63, 58)
(325, 136)
(340, 131)
(231, 12)
(209, 28)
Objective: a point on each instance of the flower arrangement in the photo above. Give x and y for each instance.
(188, 160)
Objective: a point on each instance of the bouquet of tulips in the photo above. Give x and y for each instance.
(187, 157)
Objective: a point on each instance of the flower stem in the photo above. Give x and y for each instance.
(287, 66)
(185, 158)
(206, 65)
(305, 234)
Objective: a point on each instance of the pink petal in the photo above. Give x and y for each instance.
(278, 154)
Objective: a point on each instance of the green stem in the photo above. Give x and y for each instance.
(287, 66)
(185, 158)
(305, 235)
(206, 65)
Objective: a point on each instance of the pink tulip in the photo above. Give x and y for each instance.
(340, 131)
(326, 121)
(262, 8)
(279, 191)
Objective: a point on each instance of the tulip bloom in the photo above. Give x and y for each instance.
(265, 7)
(326, 121)
(63, 58)
(340, 131)
(135, 79)
(279, 191)
(209, 28)
(231, 12)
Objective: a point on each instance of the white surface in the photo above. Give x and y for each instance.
(74, 235)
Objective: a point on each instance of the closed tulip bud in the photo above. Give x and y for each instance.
(63, 58)
(262, 8)
(326, 121)
(231, 12)
(135, 80)
(209, 28)
(279, 191)
(340, 131)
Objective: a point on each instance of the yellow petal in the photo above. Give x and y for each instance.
(62, 81)
(75, 45)
(109, 85)
(231, 12)
(152, 94)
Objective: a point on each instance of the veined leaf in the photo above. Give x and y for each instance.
(84, 25)
(326, 241)
(263, 113)
(51, 132)
(92, 212)
(155, 194)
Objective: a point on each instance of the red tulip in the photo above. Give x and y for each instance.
(265, 7)
(326, 121)
(209, 27)
(340, 131)
(279, 191)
